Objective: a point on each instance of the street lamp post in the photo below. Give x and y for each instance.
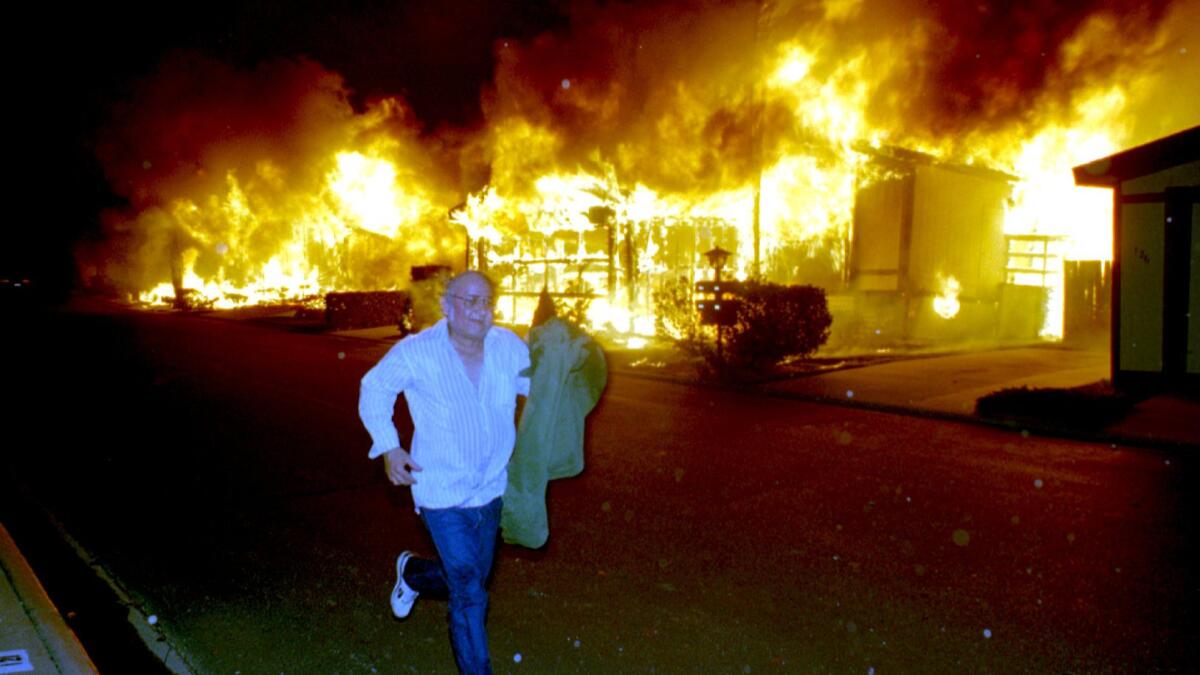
(717, 258)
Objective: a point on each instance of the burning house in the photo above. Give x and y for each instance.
(907, 159)
(890, 276)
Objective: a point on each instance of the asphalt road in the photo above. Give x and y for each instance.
(217, 469)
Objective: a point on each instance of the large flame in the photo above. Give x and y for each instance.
(616, 150)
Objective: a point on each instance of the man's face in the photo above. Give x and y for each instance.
(468, 306)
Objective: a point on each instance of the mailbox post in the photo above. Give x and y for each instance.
(715, 307)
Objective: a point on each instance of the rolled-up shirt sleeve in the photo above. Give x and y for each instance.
(377, 399)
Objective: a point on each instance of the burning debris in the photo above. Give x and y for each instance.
(912, 159)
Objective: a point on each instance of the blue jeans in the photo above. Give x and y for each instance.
(466, 544)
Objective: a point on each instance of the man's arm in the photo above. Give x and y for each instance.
(377, 400)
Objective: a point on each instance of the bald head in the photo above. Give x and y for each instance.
(468, 278)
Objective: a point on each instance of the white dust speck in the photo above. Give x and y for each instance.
(849, 393)
(871, 670)
(566, 84)
(517, 657)
(152, 619)
(222, 248)
(1037, 483)
(836, 557)
(987, 633)
(576, 644)
(1167, 462)
(341, 356)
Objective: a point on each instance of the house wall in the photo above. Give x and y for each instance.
(913, 230)
(1143, 256)
(881, 210)
(1184, 174)
(1141, 294)
(958, 230)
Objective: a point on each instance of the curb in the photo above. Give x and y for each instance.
(75, 561)
(55, 641)
(144, 623)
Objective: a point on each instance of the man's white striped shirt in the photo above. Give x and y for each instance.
(463, 437)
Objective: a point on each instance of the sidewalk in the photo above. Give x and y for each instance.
(949, 386)
(34, 638)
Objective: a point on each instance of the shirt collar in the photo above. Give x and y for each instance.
(442, 329)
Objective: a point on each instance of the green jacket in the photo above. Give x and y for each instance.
(567, 376)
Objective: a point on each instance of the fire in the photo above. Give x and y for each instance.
(368, 191)
(945, 303)
(614, 152)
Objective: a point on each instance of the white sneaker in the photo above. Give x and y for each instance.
(403, 597)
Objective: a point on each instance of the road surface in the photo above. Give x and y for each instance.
(218, 471)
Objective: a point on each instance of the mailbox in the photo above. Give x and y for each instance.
(718, 301)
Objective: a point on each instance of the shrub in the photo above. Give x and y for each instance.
(775, 322)
(1089, 406)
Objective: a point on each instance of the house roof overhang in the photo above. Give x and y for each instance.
(1164, 153)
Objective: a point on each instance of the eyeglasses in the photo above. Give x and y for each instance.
(476, 301)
